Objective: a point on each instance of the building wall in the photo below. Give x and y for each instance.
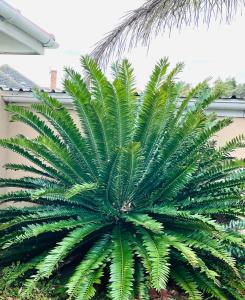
(4, 124)
(236, 128)
(15, 128)
(11, 129)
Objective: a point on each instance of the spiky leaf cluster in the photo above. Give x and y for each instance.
(131, 197)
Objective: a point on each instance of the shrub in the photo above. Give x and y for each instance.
(10, 290)
(137, 199)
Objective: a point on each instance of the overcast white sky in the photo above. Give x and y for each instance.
(78, 24)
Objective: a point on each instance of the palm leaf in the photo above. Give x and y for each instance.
(122, 266)
(184, 279)
(158, 250)
(56, 255)
(93, 260)
(154, 17)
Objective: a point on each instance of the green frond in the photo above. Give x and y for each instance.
(206, 100)
(56, 193)
(157, 248)
(26, 116)
(177, 182)
(233, 293)
(109, 178)
(93, 260)
(186, 219)
(17, 196)
(220, 170)
(25, 168)
(189, 255)
(38, 216)
(61, 120)
(57, 155)
(98, 79)
(100, 89)
(121, 268)
(210, 274)
(57, 211)
(125, 95)
(185, 280)
(77, 88)
(86, 289)
(140, 287)
(34, 230)
(19, 270)
(47, 152)
(27, 182)
(11, 144)
(142, 253)
(201, 241)
(236, 225)
(184, 103)
(63, 248)
(145, 117)
(236, 142)
(209, 287)
(131, 158)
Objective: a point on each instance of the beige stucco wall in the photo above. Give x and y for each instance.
(4, 124)
(236, 128)
(13, 129)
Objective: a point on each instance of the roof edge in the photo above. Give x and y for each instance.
(14, 17)
(222, 107)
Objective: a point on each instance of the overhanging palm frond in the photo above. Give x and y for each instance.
(156, 16)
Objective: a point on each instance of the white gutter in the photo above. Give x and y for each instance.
(222, 107)
(14, 17)
(28, 98)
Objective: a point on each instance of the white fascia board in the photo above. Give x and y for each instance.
(222, 107)
(28, 98)
(21, 37)
(226, 108)
(15, 18)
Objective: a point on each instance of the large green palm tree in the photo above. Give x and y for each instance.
(157, 16)
(132, 198)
